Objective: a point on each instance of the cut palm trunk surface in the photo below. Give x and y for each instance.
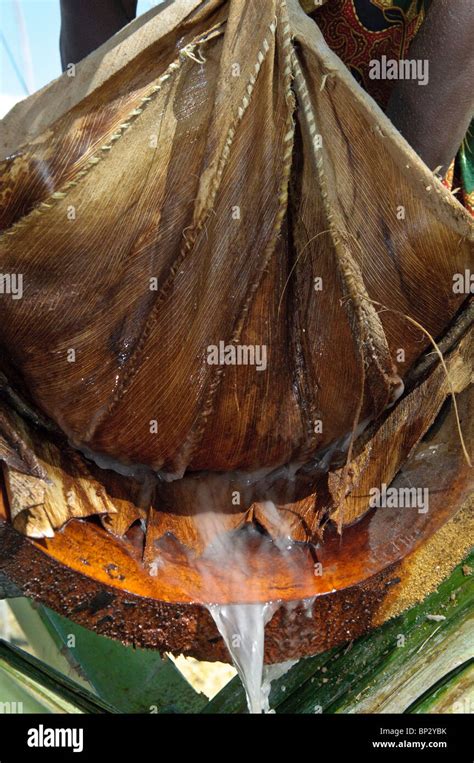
(420, 661)
(226, 273)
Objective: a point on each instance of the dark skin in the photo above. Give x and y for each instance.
(86, 24)
(433, 118)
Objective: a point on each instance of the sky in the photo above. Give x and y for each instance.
(30, 59)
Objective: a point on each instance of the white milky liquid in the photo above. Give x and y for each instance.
(272, 673)
(242, 626)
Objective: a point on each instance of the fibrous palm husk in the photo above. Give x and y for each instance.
(230, 183)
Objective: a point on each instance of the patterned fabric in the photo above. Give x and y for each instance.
(465, 164)
(360, 31)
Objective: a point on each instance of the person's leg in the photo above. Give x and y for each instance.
(86, 24)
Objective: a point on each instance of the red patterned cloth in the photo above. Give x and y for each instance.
(360, 31)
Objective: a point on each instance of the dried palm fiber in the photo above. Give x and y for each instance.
(238, 165)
